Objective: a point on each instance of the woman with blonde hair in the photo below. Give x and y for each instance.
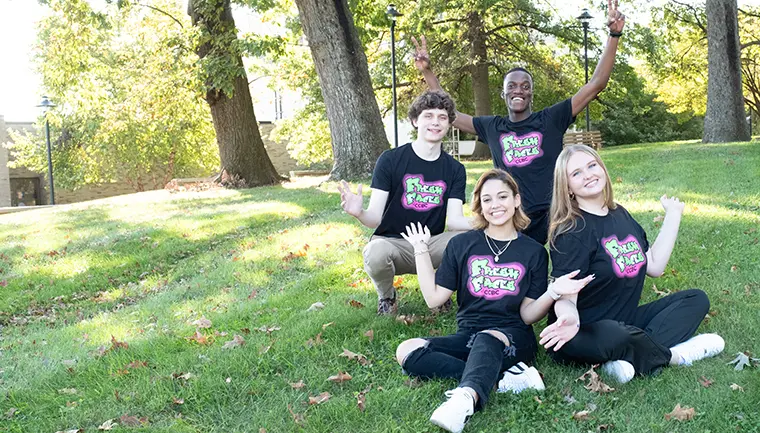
(500, 277)
(590, 233)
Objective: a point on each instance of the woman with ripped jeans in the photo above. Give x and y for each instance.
(500, 277)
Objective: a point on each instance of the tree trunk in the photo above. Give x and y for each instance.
(244, 160)
(356, 128)
(724, 118)
(479, 75)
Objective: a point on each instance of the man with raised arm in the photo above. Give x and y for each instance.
(525, 143)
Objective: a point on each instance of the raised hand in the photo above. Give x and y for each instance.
(566, 285)
(615, 18)
(418, 236)
(421, 56)
(352, 204)
(671, 204)
(559, 332)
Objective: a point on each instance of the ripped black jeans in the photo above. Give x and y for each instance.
(472, 357)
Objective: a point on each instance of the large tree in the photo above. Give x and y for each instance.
(244, 160)
(356, 129)
(724, 118)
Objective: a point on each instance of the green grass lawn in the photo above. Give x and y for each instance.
(175, 277)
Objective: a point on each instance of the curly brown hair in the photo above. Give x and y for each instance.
(433, 99)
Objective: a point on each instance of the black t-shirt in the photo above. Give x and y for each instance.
(489, 293)
(418, 190)
(613, 247)
(528, 149)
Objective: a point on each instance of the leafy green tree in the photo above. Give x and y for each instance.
(128, 102)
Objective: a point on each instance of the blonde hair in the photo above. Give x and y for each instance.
(564, 212)
(519, 219)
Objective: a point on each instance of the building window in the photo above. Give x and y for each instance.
(25, 191)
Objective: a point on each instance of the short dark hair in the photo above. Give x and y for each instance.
(433, 99)
(519, 69)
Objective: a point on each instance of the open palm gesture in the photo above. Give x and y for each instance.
(421, 56)
(615, 18)
(352, 204)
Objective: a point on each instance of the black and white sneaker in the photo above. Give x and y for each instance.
(520, 377)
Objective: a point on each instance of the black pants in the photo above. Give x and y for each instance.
(645, 340)
(538, 229)
(473, 358)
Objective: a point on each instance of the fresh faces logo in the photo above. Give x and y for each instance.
(491, 280)
(521, 150)
(420, 195)
(627, 256)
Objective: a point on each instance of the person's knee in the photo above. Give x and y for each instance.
(377, 253)
(497, 334)
(615, 333)
(407, 347)
(700, 301)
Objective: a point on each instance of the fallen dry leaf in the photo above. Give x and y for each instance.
(370, 335)
(74, 430)
(298, 385)
(735, 387)
(237, 341)
(183, 376)
(742, 360)
(595, 383)
(358, 282)
(537, 400)
(680, 413)
(132, 421)
(407, 320)
(199, 338)
(340, 377)
(705, 382)
(319, 399)
(268, 329)
(361, 359)
(398, 282)
(12, 411)
(253, 294)
(581, 415)
(316, 306)
(202, 323)
(356, 304)
(136, 364)
(108, 425)
(604, 427)
(659, 218)
(327, 324)
(115, 344)
(659, 292)
(297, 417)
(67, 391)
(361, 398)
(176, 400)
(264, 349)
(413, 383)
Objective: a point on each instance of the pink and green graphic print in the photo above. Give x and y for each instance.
(521, 150)
(493, 281)
(627, 256)
(420, 195)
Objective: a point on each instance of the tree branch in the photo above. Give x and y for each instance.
(450, 20)
(162, 12)
(390, 86)
(749, 44)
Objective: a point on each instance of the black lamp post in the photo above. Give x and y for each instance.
(393, 14)
(46, 105)
(585, 18)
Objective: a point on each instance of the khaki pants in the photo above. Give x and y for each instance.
(384, 258)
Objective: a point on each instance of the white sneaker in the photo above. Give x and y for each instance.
(621, 370)
(520, 377)
(699, 347)
(454, 413)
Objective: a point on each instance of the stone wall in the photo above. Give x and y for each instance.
(277, 152)
(92, 192)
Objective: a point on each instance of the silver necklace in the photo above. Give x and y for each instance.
(495, 249)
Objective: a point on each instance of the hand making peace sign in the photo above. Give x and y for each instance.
(615, 18)
(421, 56)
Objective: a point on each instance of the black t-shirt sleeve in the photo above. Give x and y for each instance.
(381, 177)
(539, 275)
(459, 183)
(482, 125)
(447, 274)
(570, 253)
(561, 114)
